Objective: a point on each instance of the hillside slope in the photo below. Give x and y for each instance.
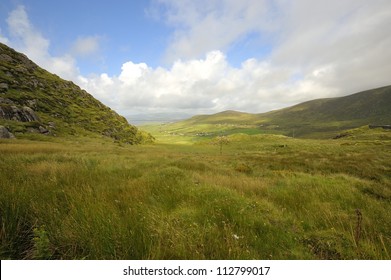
(33, 100)
(230, 116)
(321, 118)
(334, 114)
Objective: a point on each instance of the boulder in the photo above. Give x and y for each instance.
(52, 124)
(4, 133)
(43, 130)
(3, 87)
(29, 114)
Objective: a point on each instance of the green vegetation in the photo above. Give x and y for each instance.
(321, 119)
(264, 197)
(54, 107)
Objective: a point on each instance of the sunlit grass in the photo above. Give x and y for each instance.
(263, 197)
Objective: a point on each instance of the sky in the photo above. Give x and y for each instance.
(143, 57)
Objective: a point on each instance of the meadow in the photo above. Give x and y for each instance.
(262, 197)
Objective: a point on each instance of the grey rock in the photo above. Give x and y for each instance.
(4, 133)
(43, 130)
(6, 101)
(4, 112)
(3, 87)
(29, 114)
(32, 103)
(6, 58)
(24, 114)
(26, 62)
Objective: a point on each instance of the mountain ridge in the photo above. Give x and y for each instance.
(362, 105)
(318, 118)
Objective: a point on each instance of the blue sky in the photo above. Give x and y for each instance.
(205, 56)
(122, 28)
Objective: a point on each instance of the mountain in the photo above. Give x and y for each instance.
(34, 101)
(333, 114)
(320, 118)
(230, 116)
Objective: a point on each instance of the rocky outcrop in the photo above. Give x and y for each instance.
(15, 113)
(11, 111)
(4, 133)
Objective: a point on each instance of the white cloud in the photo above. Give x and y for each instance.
(320, 50)
(202, 26)
(346, 43)
(350, 39)
(24, 35)
(200, 86)
(131, 72)
(86, 46)
(3, 39)
(25, 38)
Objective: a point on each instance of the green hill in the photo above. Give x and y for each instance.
(35, 102)
(333, 114)
(230, 116)
(321, 118)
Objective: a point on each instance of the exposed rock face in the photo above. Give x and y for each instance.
(4, 133)
(14, 113)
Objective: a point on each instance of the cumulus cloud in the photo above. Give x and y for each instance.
(318, 50)
(25, 38)
(204, 85)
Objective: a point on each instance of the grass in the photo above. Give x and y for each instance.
(264, 197)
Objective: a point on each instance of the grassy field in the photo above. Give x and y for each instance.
(263, 197)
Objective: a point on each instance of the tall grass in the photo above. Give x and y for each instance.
(264, 197)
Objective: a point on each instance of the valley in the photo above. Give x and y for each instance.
(77, 181)
(262, 197)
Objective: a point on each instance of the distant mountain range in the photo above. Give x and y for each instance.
(34, 101)
(316, 118)
(148, 118)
